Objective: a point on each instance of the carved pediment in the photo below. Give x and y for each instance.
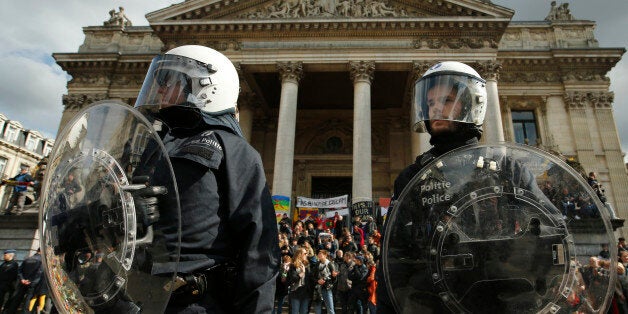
(204, 10)
(330, 9)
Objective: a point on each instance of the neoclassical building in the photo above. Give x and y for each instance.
(326, 85)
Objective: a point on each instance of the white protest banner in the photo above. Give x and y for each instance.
(334, 202)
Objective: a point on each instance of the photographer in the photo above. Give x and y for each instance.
(325, 275)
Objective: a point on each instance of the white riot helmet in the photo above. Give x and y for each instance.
(449, 91)
(192, 76)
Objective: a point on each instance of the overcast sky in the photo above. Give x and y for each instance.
(31, 84)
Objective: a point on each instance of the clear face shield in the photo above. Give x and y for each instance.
(174, 81)
(442, 98)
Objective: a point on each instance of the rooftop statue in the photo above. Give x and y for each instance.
(118, 19)
(559, 13)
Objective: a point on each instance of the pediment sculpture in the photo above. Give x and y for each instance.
(327, 8)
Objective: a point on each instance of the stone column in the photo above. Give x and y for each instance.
(493, 128)
(362, 75)
(290, 73)
(576, 103)
(602, 102)
(420, 141)
(246, 105)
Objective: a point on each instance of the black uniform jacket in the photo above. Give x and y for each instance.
(227, 213)
(8, 273)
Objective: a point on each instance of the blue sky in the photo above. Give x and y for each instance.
(31, 84)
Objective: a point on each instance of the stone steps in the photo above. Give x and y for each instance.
(20, 233)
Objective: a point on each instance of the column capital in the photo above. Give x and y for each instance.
(420, 67)
(292, 71)
(575, 99)
(602, 100)
(489, 70)
(362, 71)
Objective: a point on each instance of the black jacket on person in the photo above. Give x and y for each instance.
(441, 144)
(357, 275)
(31, 269)
(227, 216)
(8, 273)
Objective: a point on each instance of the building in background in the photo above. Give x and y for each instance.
(19, 147)
(327, 85)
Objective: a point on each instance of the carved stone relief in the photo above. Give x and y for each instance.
(78, 101)
(589, 76)
(454, 43)
(529, 77)
(89, 79)
(328, 8)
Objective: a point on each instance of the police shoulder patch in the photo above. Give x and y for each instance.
(202, 148)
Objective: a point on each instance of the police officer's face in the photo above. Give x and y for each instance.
(171, 94)
(442, 103)
(8, 256)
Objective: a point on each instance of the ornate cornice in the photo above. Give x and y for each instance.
(292, 71)
(200, 30)
(362, 71)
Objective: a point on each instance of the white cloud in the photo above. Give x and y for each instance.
(31, 93)
(32, 84)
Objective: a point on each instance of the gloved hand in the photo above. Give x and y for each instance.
(146, 202)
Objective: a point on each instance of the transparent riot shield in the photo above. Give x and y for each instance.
(103, 249)
(498, 229)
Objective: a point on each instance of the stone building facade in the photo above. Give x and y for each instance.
(326, 84)
(19, 147)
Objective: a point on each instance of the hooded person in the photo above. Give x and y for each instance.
(229, 255)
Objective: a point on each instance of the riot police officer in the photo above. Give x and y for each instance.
(229, 256)
(450, 104)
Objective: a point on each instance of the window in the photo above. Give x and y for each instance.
(3, 165)
(47, 150)
(524, 125)
(31, 143)
(11, 134)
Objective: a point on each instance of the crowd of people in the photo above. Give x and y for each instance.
(576, 203)
(328, 263)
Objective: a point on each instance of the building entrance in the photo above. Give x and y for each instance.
(326, 187)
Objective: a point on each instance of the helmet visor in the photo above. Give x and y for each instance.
(173, 81)
(448, 97)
